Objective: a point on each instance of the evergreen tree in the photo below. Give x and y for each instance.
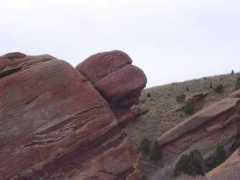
(156, 153)
(191, 164)
(145, 146)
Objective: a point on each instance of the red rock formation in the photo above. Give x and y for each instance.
(55, 124)
(118, 81)
(227, 170)
(216, 124)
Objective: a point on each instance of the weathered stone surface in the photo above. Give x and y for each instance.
(13, 62)
(14, 55)
(118, 81)
(227, 170)
(55, 124)
(98, 66)
(235, 94)
(216, 124)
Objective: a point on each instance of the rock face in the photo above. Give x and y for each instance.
(54, 123)
(216, 124)
(116, 70)
(227, 170)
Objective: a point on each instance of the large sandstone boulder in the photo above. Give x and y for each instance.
(118, 80)
(54, 123)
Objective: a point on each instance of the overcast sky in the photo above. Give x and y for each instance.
(171, 40)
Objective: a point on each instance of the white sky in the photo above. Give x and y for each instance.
(171, 40)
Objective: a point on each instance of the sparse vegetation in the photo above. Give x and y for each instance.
(217, 158)
(165, 113)
(219, 89)
(191, 164)
(155, 153)
(148, 95)
(220, 154)
(181, 98)
(144, 147)
(149, 149)
(188, 108)
(164, 108)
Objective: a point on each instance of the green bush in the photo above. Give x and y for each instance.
(181, 98)
(217, 158)
(237, 85)
(219, 89)
(155, 153)
(188, 108)
(220, 154)
(144, 147)
(191, 164)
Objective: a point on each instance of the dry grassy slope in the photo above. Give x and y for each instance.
(162, 104)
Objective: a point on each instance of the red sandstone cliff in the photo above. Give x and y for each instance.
(57, 121)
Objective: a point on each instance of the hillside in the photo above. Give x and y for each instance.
(56, 125)
(163, 111)
(161, 104)
(61, 122)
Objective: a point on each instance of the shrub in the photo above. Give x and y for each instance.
(188, 108)
(144, 147)
(219, 88)
(155, 153)
(220, 154)
(217, 158)
(237, 85)
(148, 95)
(191, 164)
(181, 98)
